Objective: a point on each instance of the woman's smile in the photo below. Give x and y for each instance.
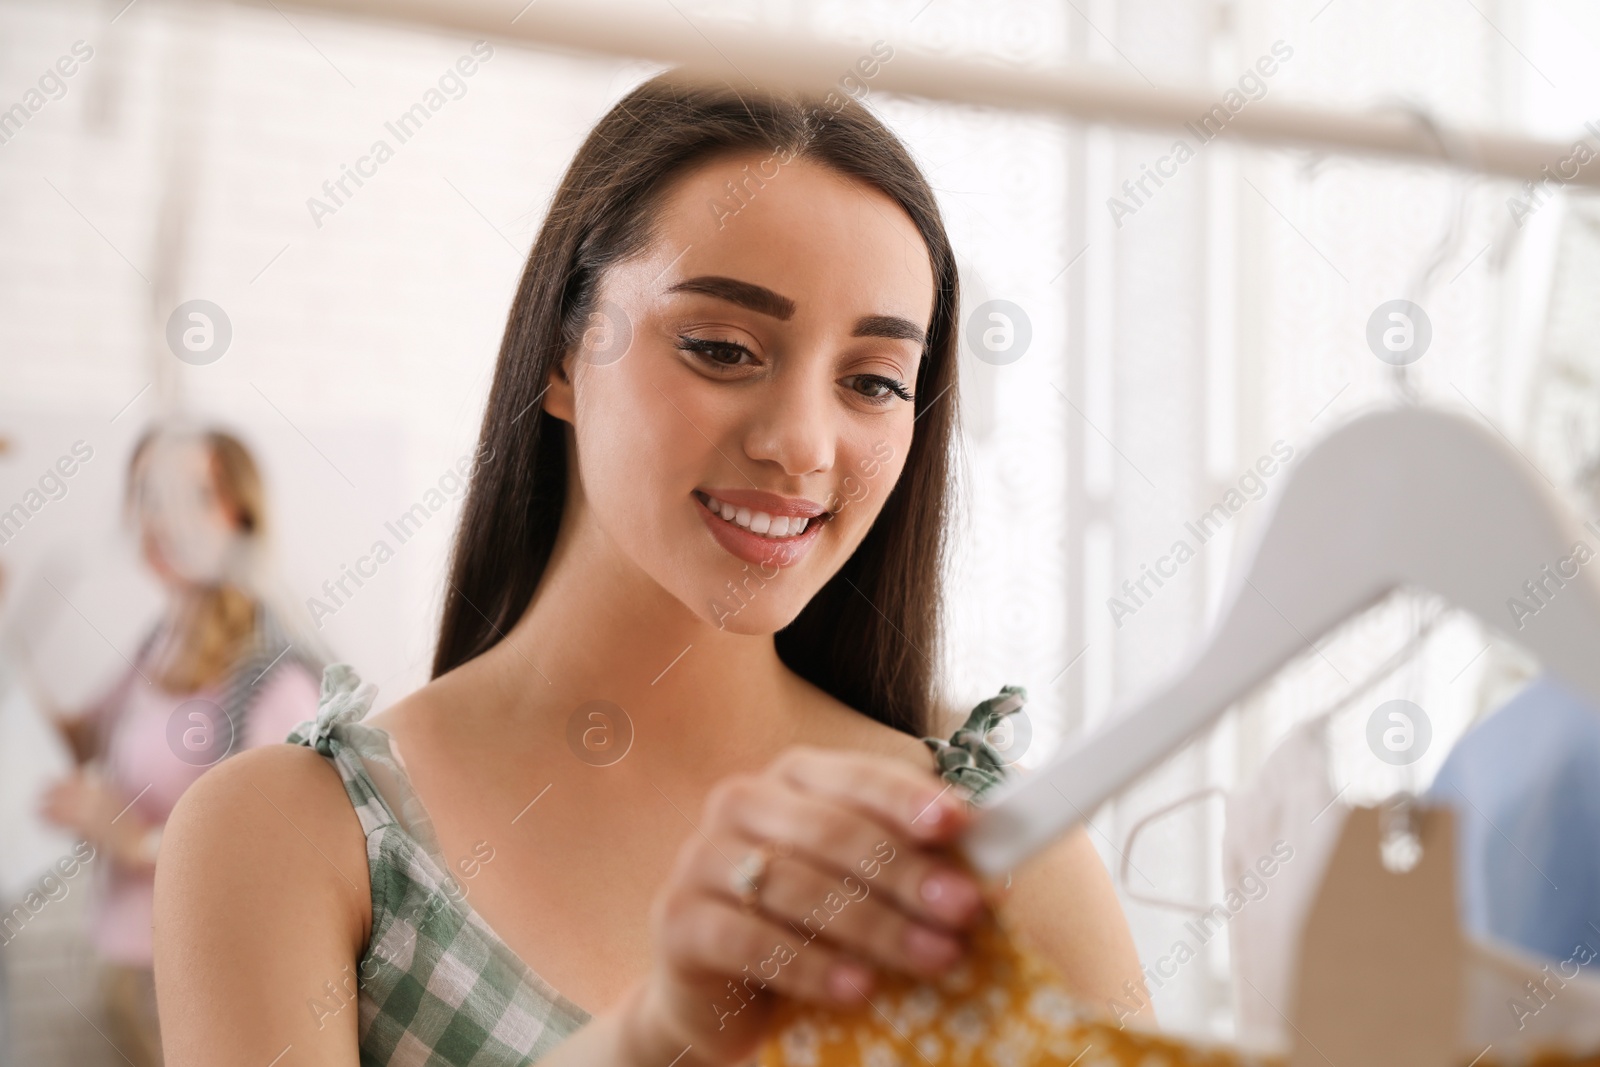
(759, 527)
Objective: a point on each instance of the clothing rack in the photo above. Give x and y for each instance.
(1087, 93)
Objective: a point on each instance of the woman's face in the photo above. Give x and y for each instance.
(186, 532)
(740, 405)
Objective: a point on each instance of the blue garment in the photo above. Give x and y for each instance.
(1525, 785)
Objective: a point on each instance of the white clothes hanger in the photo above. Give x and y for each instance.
(1317, 720)
(1410, 496)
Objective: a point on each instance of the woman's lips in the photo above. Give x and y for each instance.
(753, 547)
(756, 500)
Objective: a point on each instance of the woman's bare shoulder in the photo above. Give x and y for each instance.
(262, 907)
(265, 810)
(278, 769)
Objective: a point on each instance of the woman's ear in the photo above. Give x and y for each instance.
(558, 396)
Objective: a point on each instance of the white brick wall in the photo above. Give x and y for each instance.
(374, 336)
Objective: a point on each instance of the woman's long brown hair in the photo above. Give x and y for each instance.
(871, 636)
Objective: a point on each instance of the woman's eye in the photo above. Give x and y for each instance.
(718, 353)
(878, 388)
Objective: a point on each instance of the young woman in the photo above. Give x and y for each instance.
(215, 676)
(686, 656)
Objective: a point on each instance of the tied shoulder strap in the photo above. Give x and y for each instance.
(345, 699)
(969, 759)
(371, 777)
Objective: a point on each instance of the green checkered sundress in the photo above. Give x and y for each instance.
(436, 986)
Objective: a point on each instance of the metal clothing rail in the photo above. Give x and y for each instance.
(1090, 94)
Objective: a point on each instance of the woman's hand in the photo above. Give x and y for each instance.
(89, 807)
(856, 878)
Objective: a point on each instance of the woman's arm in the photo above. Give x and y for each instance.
(82, 729)
(262, 910)
(79, 733)
(1063, 900)
(100, 813)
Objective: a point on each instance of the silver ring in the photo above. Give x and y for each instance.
(751, 871)
(747, 876)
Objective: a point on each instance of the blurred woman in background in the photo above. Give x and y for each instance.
(217, 673)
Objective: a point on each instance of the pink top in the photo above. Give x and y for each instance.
(140, 762)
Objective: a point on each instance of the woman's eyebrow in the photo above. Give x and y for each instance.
(890, 326)
(761, 299)
(745, 294)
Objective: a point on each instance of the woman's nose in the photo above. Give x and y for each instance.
(794, 425)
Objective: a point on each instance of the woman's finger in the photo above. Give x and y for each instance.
(889, 790)
(854, 913)
(707, 934)
(845, 841)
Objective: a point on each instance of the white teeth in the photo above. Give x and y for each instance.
(759, 522)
